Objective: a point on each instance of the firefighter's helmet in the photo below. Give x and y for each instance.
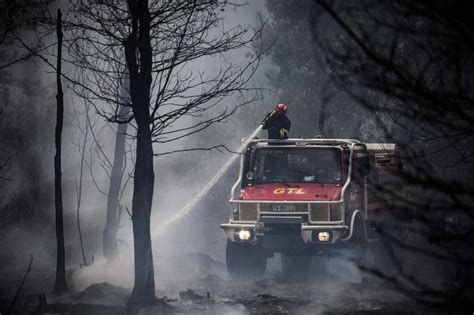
(282, 108)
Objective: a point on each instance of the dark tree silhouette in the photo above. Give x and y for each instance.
(158, 42)
(5, 171)
(16, 18)
(114, 208)
(138, 56)
(60, 285)
(114, 170)
(412, 63)
(82, 147)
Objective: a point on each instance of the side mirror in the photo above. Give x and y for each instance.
(364, 165)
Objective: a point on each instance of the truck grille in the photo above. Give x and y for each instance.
(319, 212)
(248, 212)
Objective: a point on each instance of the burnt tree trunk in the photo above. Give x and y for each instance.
(79, 189)
(138, 54)
(60, 285)
(112, 222)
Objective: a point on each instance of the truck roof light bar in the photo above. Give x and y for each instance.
(307, 141)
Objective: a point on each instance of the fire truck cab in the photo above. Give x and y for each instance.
(301, 197)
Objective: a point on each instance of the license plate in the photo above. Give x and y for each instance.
(284, 208)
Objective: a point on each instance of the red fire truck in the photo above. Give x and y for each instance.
(302, 197)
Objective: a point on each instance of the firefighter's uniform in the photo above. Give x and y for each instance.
(277, 125)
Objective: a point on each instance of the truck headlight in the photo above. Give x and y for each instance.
(322, 236)
(244, 235)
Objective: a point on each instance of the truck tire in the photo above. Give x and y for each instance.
(295, 267)
(245, 261)
(358, 243)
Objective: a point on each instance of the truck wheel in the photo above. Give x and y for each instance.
(358, 243)
(245, 261)
(295, 267)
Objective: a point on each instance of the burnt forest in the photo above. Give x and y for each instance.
(236, 157)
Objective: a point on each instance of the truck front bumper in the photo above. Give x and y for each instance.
(310, 234)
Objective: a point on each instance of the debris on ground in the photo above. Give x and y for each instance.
(104, 294)
(190, 295)
(165, 299)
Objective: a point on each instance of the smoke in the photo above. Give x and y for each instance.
(103, 271)
(342, 267)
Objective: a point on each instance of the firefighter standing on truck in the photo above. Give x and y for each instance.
(276, 123)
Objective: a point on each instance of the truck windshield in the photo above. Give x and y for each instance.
(316, 165)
